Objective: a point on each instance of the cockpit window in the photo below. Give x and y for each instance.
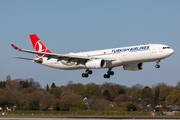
(166, 48)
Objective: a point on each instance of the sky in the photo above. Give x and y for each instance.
(66, 26)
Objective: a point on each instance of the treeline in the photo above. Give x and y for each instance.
(28, 95)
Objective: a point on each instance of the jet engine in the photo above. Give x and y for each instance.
(133, 67)
(38, 60)
(96, 64)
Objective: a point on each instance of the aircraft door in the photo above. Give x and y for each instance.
(154, 49)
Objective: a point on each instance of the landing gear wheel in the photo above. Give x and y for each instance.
(90, 72)
(157, 66)
(86, 75)
(83, 75)
(111, 73)
(106, 76)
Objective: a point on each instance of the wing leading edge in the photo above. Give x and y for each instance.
(69, 57)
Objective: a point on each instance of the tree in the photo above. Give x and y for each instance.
(164, 90)
(2, 84)
(131, 107)
(136, 91)
(7, 98)
(70, 82)
(78, 105)
(8, 83)
(67, 101)
(137, 87)
(156, 96)
(122, 100)
(99, 104)
(178, 85)
(56, 104)
(46, 101)
(174, 97)
(91, 90)
(8, 77)
(34, 84)
(53, 85)
(121, 91)
(34, 104)
(113, 89)
(33, 99)
(47, 87)
(73, 88)
(107, 95)
(24, 84)
(56, 92)
(146, 92)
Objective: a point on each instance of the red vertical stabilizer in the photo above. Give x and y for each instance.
(38, 45)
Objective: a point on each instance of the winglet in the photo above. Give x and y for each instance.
(15, 47)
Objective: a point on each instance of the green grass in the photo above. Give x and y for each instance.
(81, 116)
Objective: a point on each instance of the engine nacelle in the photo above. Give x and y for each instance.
(133, 67)
(38, 60)
(96, 64)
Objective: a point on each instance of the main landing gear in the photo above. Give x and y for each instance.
(87, 72)
(157, 64)
(109, 73)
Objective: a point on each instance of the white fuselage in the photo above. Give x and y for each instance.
(122, 56)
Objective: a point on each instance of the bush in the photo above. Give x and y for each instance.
(131, 107)
(56, 105)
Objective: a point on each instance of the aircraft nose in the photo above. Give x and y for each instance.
(171, 51)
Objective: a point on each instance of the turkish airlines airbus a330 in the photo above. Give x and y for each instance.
(131, 58)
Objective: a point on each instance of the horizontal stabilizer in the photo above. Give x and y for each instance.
(24, 58)
(33, 60)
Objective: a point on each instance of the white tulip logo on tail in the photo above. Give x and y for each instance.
(40, 48)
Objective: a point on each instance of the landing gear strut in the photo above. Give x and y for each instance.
(109, 73)
(87, 72)
(157, 64)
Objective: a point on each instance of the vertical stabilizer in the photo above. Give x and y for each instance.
(38, 45)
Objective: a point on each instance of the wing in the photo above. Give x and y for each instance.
(68, 57)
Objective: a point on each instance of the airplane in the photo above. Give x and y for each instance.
(131, 58)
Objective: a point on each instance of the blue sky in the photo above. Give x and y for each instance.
(84, 25)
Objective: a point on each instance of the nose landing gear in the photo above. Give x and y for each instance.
(157, 64)
(87, 73)
(109, 73)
